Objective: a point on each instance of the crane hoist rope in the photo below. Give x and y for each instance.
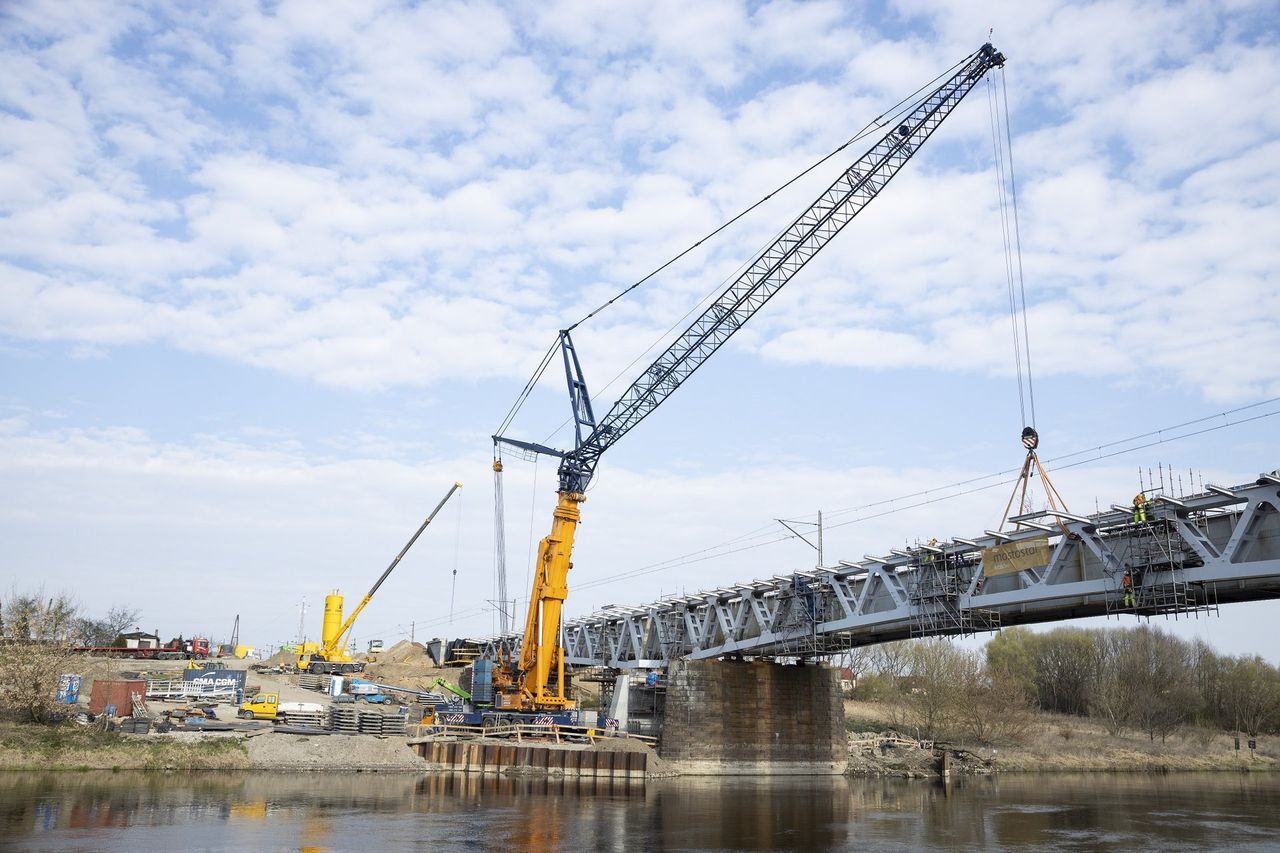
(1011, 232)
(536, 679)
(1016, 288)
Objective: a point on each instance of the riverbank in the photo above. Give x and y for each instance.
(1051, 743)
(72, 747)
(1065, 745)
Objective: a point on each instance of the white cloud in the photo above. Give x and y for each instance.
(351, 193)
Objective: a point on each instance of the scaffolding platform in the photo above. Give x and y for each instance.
(940, 579)
(1157, 557)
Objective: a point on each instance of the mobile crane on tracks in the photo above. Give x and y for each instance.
(533, 679)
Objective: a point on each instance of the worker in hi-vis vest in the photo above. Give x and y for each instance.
(1127, 583)
(1139, 508)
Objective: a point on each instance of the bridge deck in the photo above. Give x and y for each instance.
(1188, 556)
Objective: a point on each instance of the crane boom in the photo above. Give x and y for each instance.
(813, 229)
(774, 267)
(334, 644)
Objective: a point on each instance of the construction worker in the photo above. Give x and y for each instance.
(1139, 508)
(1127, 583)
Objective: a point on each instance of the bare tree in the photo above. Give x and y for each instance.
(937, 684)
(1163, 695)
(993, 705)
(1111, 696)
(893, 659)
(105, 631)
(1251, 695)
(36, 653)
(1068, 661)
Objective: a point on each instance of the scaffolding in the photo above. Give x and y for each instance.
(939, 581)
(1154, 555)
(802, 607)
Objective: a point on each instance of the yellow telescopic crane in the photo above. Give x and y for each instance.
(536, 679)
(331, 655)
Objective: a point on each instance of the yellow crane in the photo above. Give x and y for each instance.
(330, 654)
(535, 679)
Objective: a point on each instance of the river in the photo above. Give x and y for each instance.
(337, 812)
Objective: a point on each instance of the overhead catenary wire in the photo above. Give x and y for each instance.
(712, 553)
(766, 535)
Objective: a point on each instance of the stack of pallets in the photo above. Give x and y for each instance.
(370, 722)
(311, 719)
(310, 681)
(345, 720)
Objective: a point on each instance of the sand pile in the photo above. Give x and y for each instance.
(403, 651)
(406, 664)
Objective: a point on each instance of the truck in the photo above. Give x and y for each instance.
(197, 648)
(267, 706)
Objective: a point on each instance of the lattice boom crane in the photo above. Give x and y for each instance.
(536, 680)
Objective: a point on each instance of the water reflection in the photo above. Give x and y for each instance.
(93, 811)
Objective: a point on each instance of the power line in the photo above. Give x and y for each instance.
(774, 538)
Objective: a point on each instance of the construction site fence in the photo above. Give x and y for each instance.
(187, 690)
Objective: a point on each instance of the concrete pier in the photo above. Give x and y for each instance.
(753, 718)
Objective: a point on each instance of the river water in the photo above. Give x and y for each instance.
(364, 812)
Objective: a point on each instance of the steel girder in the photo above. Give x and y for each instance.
(1230, 538)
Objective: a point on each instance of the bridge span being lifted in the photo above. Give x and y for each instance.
(1178, 557)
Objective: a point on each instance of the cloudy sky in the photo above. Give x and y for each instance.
(271, 275)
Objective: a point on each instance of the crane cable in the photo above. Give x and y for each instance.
(1007, 197)
(500, 548)
(902, 107)
(457, 544)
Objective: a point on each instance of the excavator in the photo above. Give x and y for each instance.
(330, 654)
(532, 676)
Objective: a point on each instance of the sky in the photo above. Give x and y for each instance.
(271, 275)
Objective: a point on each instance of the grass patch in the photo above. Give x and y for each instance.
(27, 746)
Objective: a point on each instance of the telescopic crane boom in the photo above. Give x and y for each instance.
(537, 678)
(332, 655)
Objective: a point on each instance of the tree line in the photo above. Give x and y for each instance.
(39, 632)
(26, 617)
(1138, 679)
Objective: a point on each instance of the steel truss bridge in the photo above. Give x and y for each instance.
(1183, 557)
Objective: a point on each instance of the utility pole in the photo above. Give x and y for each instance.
(816, 544)
(302, 622)
(412, 626)
(819, 539)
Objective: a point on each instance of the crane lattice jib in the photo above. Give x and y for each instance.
(774, 267)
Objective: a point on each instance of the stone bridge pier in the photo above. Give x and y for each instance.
(734, 717)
